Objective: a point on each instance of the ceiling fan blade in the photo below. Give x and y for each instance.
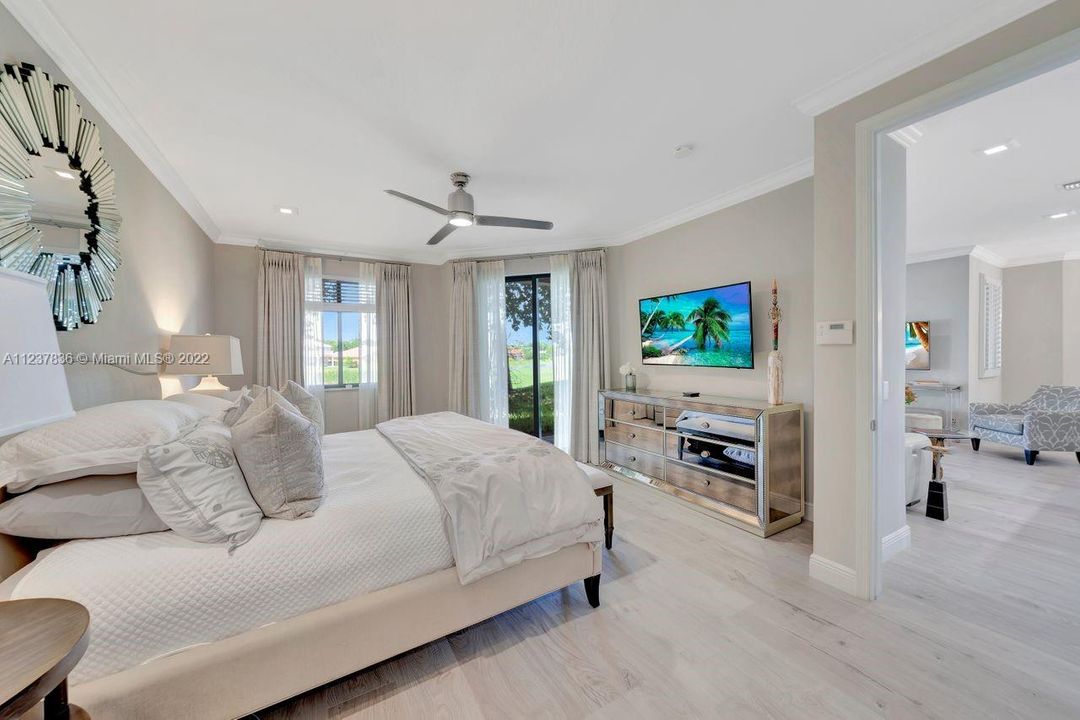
(439, 236)
(497, 221)
(418, 201)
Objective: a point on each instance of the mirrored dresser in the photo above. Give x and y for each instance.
(739, 460)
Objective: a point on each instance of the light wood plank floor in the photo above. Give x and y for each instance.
(981, 619)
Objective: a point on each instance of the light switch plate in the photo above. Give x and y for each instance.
(835, 332)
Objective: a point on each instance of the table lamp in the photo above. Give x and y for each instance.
(206, 355)
(33, 386)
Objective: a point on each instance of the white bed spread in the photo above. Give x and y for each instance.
(152, 595)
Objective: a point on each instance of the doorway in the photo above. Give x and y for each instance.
(529, 359)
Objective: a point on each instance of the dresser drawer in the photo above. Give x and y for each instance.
(636, 413)
(643, 462)
(711, 485)
(695, 450)
(635, 436)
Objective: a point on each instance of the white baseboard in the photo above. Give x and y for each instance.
(833, 574)
(895, 543)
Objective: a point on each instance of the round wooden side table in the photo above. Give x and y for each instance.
(41, 640)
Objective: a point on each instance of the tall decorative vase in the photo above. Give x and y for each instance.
(631, 382)
(776, 378)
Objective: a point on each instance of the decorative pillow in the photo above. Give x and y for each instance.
(90, 507)
(237, 409)
(102, 440)
(262, 398)
(195, 485)
(306, 403)
(209, 404)
(279, 452)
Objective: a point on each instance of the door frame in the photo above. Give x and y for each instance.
(869, 134)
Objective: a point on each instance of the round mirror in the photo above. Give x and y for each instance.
(58, 216)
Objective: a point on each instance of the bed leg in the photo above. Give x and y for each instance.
(592, 590)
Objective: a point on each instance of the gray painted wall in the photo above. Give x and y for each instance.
(165, 283)
(768, 237)
(938, 291)
(1035, 327)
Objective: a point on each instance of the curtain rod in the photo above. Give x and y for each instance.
(524, 257)
(343, 258)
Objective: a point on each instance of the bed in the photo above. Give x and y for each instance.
(183, 629)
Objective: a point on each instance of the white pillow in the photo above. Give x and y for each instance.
(195, 485)
(102, 440)
(237, 409)
(263, 398)
(209, 404)
(281, 457)
(90, 507)
(306, 403)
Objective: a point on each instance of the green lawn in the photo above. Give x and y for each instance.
(351, 375)
(521, 396)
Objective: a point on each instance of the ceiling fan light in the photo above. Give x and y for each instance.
(461, 219)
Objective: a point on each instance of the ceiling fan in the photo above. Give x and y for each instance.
(460, 212)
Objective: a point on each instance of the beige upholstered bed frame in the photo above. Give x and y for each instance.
(259, 668)
(256, 669)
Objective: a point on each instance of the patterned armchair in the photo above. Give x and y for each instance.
(1048, 420)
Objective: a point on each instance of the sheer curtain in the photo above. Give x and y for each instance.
(279, 335)
(367, 349)
(478, 376)
(395, 341)
(313, 348)
(589, 321)
(562, 341)
(493, 390)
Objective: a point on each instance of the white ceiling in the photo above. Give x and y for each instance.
(561, 110)
(959, 198)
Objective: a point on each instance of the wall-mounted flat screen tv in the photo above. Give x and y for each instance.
(702, 328)
(917, 345)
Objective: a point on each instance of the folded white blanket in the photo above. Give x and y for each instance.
(508, 496)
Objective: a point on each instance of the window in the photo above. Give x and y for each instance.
(529, 359)
(347, 316)
(990, 302)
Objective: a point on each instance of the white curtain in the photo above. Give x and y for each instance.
(493, 390)
(588, 303)
(562, 340)
(395, 378)
(313, 349)
(462, 334)
(478, 376)
(368, 353)
(279, 335)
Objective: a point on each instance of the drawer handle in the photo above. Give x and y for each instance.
(633, 413)
(633, 435)
(706, 454)
(633, 458)
(708, 482)
(705, 425)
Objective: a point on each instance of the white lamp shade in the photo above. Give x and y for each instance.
(33, 386)
(204, 355)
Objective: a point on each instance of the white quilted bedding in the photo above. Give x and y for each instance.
(155, 594)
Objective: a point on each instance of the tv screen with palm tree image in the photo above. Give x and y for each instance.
(703, 328)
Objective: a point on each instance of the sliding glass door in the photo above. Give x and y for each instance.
(530, 371)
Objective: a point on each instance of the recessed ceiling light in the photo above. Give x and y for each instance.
(288, 210)
(683, 150)
(1074, 185)
(997, 148)
(66, 174)
(1058, 216)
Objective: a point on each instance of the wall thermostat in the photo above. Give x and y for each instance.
(835, 332)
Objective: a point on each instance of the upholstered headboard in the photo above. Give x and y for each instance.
(92, 385)
(89, 385)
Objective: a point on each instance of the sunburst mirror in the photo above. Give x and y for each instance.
(58, 216)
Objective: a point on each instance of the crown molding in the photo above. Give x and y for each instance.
(990, 257)
(765, 184)
(926, 47)
(420, 256)
(44, 27)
